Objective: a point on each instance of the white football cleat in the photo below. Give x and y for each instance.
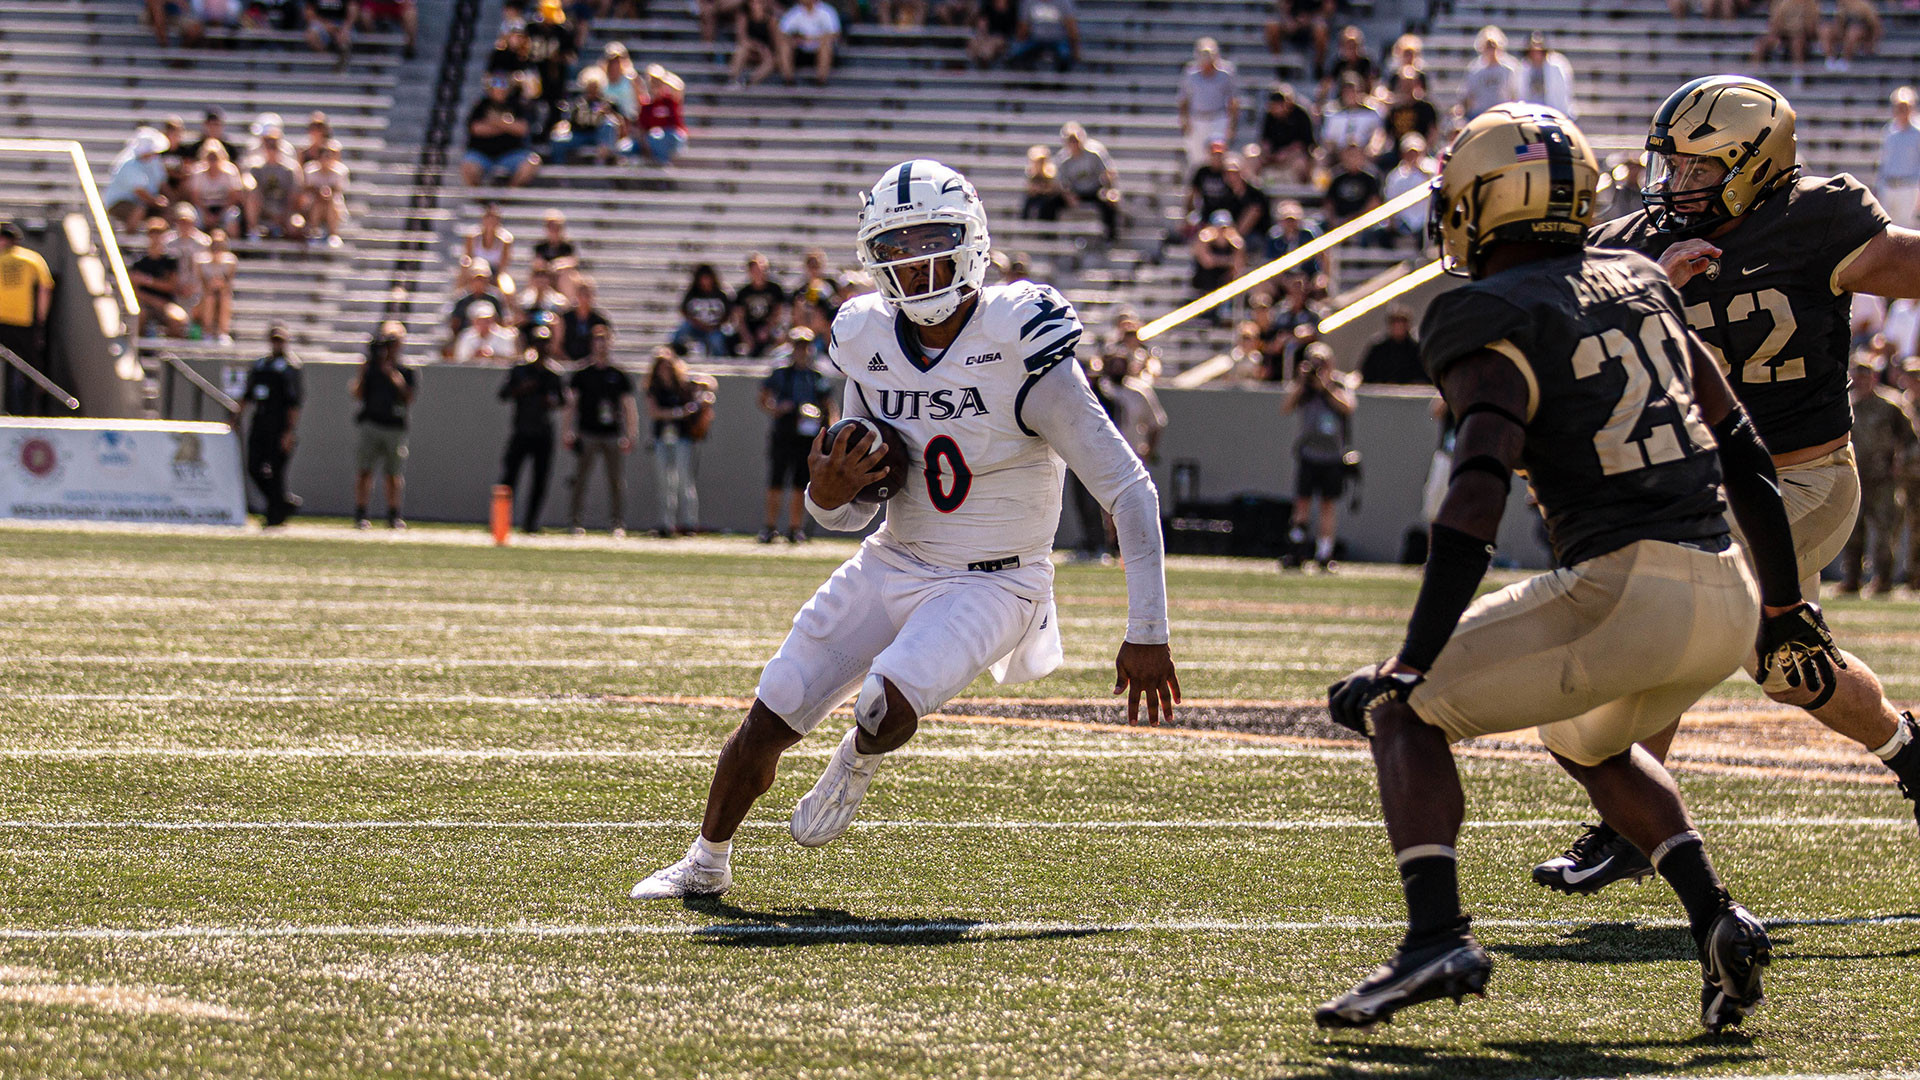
(684, 879)
(825, 812)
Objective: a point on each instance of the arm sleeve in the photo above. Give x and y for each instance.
(1060, 408)
(853, 516)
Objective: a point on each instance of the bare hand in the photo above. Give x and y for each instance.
(839, 472)
(1687, 258)
(286, 442)
(1147, 669)
(626, 445)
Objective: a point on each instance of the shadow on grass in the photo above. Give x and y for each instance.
(1609, 943)
(784, 927)
(1534, 1057)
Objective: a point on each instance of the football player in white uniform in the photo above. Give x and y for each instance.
(981, 384)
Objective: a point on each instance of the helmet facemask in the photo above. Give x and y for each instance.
(1685, 194)
(919, 268)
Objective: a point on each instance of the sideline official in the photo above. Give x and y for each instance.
(26, 294)
(274, 392)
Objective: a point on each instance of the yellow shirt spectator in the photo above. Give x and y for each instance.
(21, 272)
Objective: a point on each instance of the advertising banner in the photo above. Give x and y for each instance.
(142, 471)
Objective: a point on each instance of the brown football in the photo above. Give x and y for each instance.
(895, 460)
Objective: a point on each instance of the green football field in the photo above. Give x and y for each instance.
(333, 804)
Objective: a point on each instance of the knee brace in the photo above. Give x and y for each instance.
(870, 708)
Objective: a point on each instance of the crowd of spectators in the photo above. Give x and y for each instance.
(543, 103)
(192, 194)
(1795, 26)
(325, 25)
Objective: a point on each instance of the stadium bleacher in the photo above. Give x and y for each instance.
(779, 169)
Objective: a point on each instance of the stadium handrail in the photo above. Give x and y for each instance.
(95, 208)
(1397, 287)
(34, 375)
(1284, 263)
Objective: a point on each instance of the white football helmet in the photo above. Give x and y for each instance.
(920, 215)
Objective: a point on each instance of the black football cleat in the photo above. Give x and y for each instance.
(1596, 860)
(1450, 967)
(1731, 957)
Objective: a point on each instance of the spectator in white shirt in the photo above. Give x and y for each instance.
(1415, 169)
(1209, 101)
(486, 341)
(1353, 123)
(808, 33)
(1900, 162)
(1545, 77)
(1492, 78)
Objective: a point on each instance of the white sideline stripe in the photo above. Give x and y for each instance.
(959, 928)
(558, 662)
(1197, 749)
(1276, 825)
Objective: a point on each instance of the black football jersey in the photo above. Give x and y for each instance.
(1615, 449)
(1768, 306)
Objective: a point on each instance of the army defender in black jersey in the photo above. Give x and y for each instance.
(1766, 261)
(1576, 366)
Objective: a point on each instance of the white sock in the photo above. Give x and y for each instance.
(1902, 735)
(1323, 550)
(709, 854)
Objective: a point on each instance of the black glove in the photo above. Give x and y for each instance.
(1351, 700)
(1798, 642)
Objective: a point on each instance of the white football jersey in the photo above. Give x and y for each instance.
(982, 486)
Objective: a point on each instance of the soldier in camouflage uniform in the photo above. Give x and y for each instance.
(1883, 437)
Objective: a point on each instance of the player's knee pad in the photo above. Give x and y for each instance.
(783, 688)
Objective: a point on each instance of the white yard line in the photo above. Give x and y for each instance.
(1197, 749)
(878, 929)
(1270, 825)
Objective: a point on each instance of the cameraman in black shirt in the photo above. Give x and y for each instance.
(385, 389)
(535, 388)
(602, 426)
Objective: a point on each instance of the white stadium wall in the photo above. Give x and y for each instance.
(1238, 439)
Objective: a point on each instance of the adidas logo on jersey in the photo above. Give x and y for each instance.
(876, 364)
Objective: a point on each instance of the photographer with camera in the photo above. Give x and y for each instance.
(385, 388)
(1324, 404)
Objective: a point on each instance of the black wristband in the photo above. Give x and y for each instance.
(1746, 469)
(1456, 561)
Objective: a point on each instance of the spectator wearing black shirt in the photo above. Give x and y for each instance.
(499, 138)
(993, 30)
(582, 321)
(1290, 232)
(1351, 60)
(512, 56)
(535, 389)
(213, 129)
(1286, 136)
(385, 389)
(1353, 190)
(1303, 24)
(553, 52)
(1411, 113)
(1394, 358)
(800, 401)
(156, 284)
(274, 393)
(1253, 208)
(600, 427)
(1207, 189)
(476, 286)
(591, 121)
(1219, 255)
(330, 26)
(759, 309)
(703, 312)
(554, 245)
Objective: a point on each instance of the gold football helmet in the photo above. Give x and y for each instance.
(1516, 173)
(1720, 122)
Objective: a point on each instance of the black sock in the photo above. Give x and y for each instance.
(1906, 763)
(359, 513)
(1685, 865)
(1432, 885)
